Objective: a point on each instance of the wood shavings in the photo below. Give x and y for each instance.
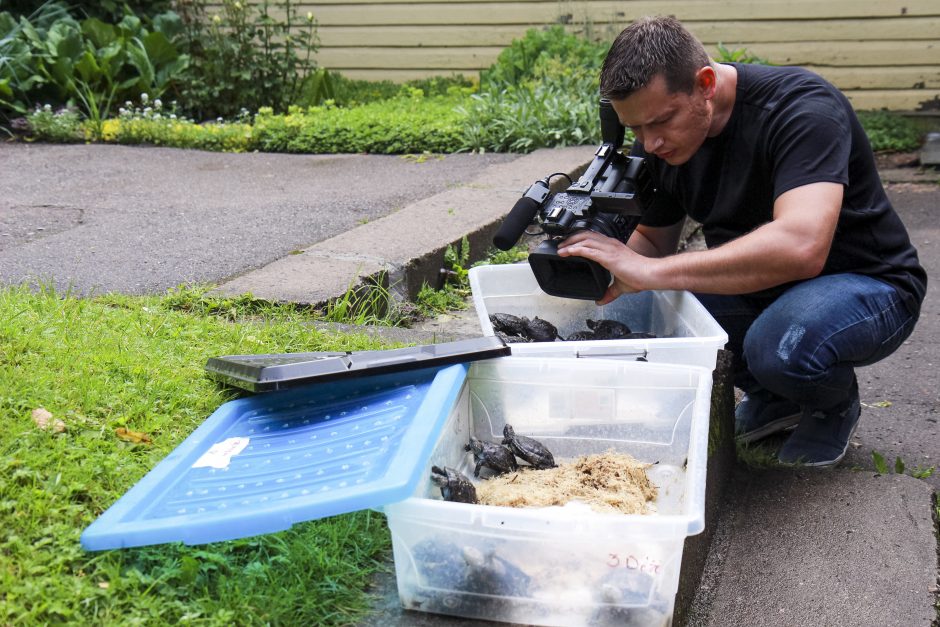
(609, 482)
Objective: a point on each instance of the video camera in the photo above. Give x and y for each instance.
(608, 199)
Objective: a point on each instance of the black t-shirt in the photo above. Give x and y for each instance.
(789, 128)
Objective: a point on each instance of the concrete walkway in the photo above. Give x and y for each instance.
(843, 547)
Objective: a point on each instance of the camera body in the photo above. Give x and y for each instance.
(608, 199)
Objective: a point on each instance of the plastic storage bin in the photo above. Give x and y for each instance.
(685, 332)
(561, 565)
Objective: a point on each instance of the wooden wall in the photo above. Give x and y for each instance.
(881, 53)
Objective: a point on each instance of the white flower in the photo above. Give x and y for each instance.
(144, 98)
(157, 104)
(47, 108)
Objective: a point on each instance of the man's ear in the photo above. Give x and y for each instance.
(707, 81)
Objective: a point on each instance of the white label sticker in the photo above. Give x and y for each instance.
(221, 453)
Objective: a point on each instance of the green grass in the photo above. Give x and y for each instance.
(137, 362)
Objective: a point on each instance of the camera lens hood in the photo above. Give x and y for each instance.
(567, 277)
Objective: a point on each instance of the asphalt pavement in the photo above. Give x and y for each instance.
(843, 547)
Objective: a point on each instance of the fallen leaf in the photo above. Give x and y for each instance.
(45, 421)
(881, 404)
(104, 585)
(132, 436)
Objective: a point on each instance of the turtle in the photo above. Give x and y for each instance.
(508, 324)
(454, 485)
(625, 597)
(539, 330)
(608, 329)
(488, 573)
(498, 458)
(528, 449)
(639, 335)
(580, 336)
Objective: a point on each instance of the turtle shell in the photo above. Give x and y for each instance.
(608, 329)
(528, 449)
(508, 324)
(454, 485)
(539, 330)
(495, 457)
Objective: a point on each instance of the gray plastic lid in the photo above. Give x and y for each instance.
(264, 373)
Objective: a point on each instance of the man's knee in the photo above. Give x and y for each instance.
(776, 353)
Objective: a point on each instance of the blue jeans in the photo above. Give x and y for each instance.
(805, 343)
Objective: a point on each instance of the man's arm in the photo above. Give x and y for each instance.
(654, 241)
(793, 246)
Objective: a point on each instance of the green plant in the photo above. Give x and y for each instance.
(738, 55)
(889, 132)
(107, 10)
(494, 256)
(522, 59)
(881, 467)
(431, 302)
(541, 91)
(58, 60)
(370, 303)
(245, 54)
(152, 123)
(456, 259)
(757, 454)
(411, 123)
(325, 86)
(21, 85)
(198, 300)
(62, 126)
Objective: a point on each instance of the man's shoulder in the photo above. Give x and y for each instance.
(771, 85)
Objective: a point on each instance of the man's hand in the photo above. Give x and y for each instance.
(628, 268)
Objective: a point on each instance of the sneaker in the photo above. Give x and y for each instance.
(761, 414)
(822, 438)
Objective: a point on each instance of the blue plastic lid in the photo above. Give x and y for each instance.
(260, 464)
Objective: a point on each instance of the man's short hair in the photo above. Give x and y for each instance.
(651, 46)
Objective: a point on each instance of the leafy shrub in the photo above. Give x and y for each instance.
(404, 124)
(889, 131)
(55, 59)
(541, 91)
(153, 125)
(243, 56)
(539, 115)
(738, 55)
(106, 10)
(324, 85)
(62, 126)
(523, 59)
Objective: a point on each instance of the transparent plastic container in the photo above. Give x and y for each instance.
(685, 332)
(564, 565)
